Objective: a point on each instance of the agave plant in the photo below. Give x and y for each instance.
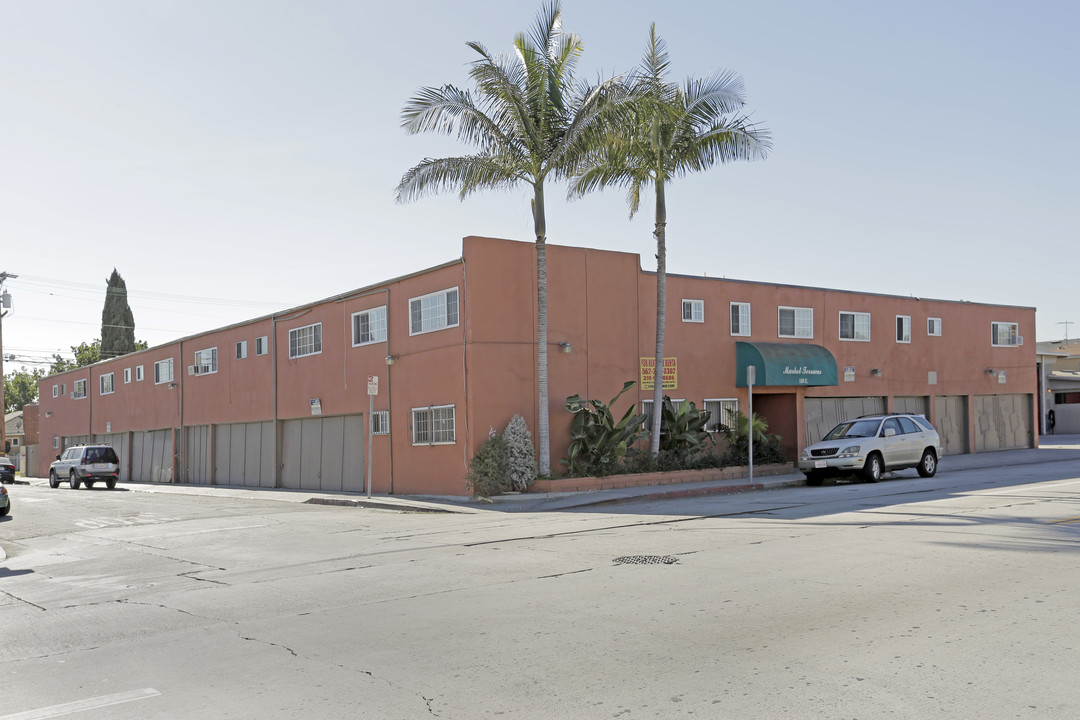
(597, 441)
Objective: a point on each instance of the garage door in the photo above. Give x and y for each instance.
(244, 454)
(197, 454)
(1003, 422)
(950, 419)
(152, 456)
(823, 414)
(914, 405)
(323, 453)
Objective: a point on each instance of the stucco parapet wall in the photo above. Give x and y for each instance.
(680, 477)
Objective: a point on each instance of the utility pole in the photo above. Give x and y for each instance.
(5, 308)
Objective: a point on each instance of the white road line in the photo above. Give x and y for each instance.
(1013, 491)
(81, 705)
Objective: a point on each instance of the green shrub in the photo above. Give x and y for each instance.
(597, 442)
(520, 456)
(488, 473)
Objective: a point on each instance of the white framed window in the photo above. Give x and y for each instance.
(1005, 334)
(138, 373)
(205, 362)
(795, 322)
(855, 326)
(933, 327)
(105, 384)
(163, 371)
(127, 375)
(433, 425)
(55, 390)
(55, 442)
(241, 350)
(903, 328)
(435, 311)
(78, 389)
(380, 422)
(646, 410)
(720, 413)
(693, 311)
(63, 389)
(261, 346)
(304, 341)
(369, 326)
(740, 318)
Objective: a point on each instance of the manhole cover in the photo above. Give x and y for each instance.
(646, 560)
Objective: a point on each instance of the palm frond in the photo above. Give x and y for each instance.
(467, 174)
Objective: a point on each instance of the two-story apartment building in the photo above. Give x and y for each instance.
(451, 351)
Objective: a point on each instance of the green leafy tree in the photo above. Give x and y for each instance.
(117, 322)
(529, 121)
(84, 354)
(668, 131)
(20, 388)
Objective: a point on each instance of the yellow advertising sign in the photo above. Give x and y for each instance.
(670, 378)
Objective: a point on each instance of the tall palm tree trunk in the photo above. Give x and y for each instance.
(543, 454)
(660, 233)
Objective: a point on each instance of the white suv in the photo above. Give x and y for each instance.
(86, 464)
(873, 445)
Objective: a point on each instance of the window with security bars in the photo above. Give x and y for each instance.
(795, 322)
(433, 312)
(433, 425)
(380, 422)
(305, 340)
(369, 326)
(693, 311)
(740, 318)
(855, 326)
(646, 410)
(721, 413)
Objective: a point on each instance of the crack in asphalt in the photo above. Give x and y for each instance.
(19, 599)
(267, 642)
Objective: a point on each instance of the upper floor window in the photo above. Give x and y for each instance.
(1005, 334)
(241, 350)
(78, 389)
(55, 390)
(305, 340)
(933, 326)
(163, 371)
(369, 326)
(740, 318)
(127, 375)
(105, 384)
(433, 425)
(693, 311)
(795, 322)
(855, 326)
(261, 346)
(903, 328)
(138, 373)
(205, 362)
(433, 312)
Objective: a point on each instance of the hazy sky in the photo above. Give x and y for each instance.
(235, 157)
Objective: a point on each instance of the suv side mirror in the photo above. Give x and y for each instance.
(57, 457)
(889, 432)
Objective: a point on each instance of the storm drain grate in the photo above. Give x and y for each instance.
(646, 560)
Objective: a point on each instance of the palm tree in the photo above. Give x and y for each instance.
(529, 120)
(667, 131)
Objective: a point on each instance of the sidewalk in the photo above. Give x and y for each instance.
(1053, 448)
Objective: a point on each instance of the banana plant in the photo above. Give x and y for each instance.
(597, 441)
(682, 428)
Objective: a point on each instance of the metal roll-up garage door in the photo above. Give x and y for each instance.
(323, 453)
(197, 455)
(823, 414)
(1003, 422)
(244, 454)
(152, 456)
(950, 419)
(913, 405)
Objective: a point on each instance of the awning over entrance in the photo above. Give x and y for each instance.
(784, 364)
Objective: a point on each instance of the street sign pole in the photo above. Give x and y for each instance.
(750, 417)
(372, 391)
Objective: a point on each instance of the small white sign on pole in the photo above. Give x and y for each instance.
(372, 384)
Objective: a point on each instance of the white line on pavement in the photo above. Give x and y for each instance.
(81, 705)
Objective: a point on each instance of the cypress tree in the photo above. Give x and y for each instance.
(117, 322)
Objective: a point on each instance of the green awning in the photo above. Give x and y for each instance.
(784, 364)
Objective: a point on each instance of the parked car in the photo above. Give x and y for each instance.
(7, 470)
(872, 445)
(85, 464)
(5, 501)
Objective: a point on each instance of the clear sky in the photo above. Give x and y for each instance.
(235, 157)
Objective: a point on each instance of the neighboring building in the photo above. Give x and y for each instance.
(282, 400)
(14, 432)
(1059, 385)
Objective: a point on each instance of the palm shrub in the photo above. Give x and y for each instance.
(520, 457)
(597, 441)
